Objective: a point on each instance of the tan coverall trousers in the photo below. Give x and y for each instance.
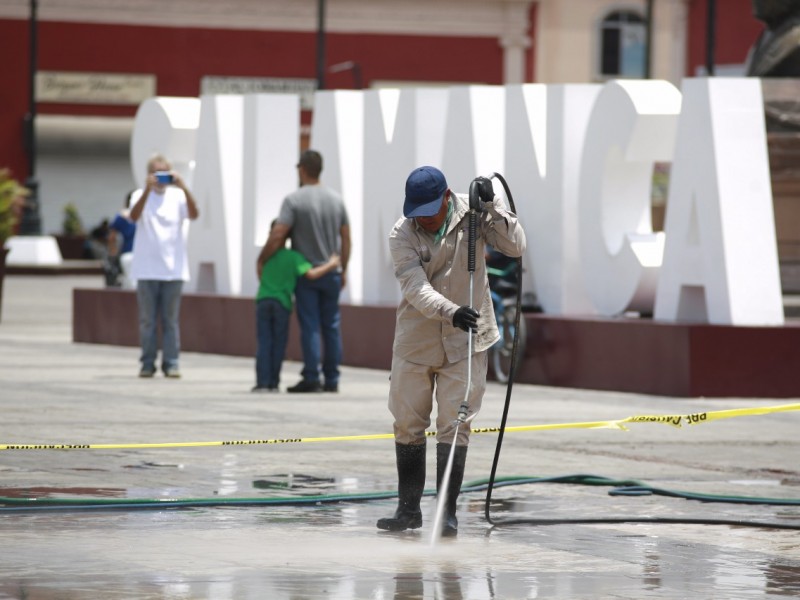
(411, 394)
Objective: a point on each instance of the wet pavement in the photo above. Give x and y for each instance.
(230, 541)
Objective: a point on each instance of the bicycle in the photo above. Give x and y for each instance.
(504, 299)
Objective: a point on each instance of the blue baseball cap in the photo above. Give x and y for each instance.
(425, 188)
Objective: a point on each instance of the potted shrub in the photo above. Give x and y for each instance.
(72, 239)
(12, 201)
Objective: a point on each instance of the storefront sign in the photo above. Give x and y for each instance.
(93, 88)
(262, 85)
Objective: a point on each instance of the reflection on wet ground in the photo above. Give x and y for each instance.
(334, 551)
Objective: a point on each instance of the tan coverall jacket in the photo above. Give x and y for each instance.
(434, 282)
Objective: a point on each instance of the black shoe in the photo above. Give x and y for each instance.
(410, 487)
(305, 386)
(330, 387)
(402, 520)
(450, 524)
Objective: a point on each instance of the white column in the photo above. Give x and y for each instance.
(514, 47)
(515, 41)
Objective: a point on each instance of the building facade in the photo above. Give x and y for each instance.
(97, 60)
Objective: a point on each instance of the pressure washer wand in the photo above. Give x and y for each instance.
(474, 208)
(472, 234)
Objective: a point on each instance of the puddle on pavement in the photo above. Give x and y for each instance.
(334, 551)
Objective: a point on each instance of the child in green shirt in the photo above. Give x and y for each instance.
(273, 308)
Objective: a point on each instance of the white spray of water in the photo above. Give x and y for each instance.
(441, 496)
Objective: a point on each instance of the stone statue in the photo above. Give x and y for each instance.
(776, 53)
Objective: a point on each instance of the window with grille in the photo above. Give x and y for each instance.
(622, 45)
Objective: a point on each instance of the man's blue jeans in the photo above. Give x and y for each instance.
(317, 304)
(272, 334)
(159, 303)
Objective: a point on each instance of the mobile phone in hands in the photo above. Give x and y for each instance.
(164, 177)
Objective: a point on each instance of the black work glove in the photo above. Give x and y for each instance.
(465, 318)
(485, 190)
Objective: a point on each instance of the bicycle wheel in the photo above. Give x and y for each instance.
(502, 351)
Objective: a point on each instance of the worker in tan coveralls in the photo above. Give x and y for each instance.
(429, 253)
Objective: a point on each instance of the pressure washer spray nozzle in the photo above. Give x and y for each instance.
(462, 413)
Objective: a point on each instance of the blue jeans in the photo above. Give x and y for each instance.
(159, 303)
(317, 304)
(272, 334)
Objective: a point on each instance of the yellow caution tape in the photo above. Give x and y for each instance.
(674, 420)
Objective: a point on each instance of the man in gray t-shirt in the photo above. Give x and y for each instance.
(314, 215)
(315, 219)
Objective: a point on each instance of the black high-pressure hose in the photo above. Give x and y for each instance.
(503, 420)
(513, 368)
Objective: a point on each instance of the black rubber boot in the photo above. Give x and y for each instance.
(410, 485)
(450, 522)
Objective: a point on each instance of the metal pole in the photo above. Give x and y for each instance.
(320, 44)
(31, 116)
(648, 52)
(711, 33)
(30, 222)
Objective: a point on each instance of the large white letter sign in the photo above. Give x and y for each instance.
(388, 158)
(395, 122)
(720, 259)
(632, 126)
(215, 250)
(474, 134)
(166, 126)
(338, 134)
(544, 136)
(271, 148)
